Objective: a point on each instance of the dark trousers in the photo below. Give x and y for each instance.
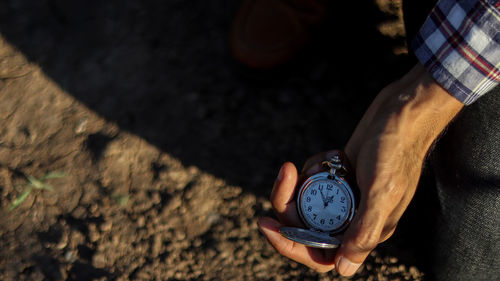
(466, 164)
(464, 242)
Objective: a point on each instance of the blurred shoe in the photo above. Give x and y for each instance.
(267, 33)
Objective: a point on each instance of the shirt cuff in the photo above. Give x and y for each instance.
(459, 44)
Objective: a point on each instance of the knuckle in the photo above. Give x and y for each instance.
(366, 241)
(389, 228)
(396, 191)
(277, 207)
(285, 248)
(387, 232)
(390, 194)
(390, 191)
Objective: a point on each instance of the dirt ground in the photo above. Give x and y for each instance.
(168, 147)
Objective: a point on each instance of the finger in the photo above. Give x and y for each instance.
(317, 259)
(313, 160)
(362, 236)
(283, 195)
(392, 221)
(401, 207)
(398, 210)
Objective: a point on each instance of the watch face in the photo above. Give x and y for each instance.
(325, 204)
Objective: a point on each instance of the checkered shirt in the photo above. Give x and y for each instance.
(459, 44)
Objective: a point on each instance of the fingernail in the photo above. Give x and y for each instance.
(280, 174)
(345, 267)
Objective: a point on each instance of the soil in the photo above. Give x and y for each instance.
(169, 148)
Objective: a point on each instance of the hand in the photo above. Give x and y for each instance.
(387, 151)
(283, 201)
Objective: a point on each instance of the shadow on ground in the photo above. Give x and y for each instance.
(161, 70)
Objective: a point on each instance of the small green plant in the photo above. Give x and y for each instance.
(35, 183)
(120, 199)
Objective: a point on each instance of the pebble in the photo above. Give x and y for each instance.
(99, 260)
(70, 256)
(180, 235)
(81, 126)
(106, 226)
(157, 243)
(93, 233)
(140, 221)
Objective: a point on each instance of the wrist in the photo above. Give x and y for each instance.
(411, 112)
(423, 108)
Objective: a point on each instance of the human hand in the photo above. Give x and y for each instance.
(387, 151)
(284, 205)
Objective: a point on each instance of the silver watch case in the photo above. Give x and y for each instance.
(313, 237)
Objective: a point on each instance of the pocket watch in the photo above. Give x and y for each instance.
(326, 204)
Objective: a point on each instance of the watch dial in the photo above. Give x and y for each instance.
(325, 205)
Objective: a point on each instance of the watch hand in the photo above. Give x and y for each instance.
(323, 197)
(327, 199)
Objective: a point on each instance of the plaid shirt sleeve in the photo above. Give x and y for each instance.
(459, 44)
